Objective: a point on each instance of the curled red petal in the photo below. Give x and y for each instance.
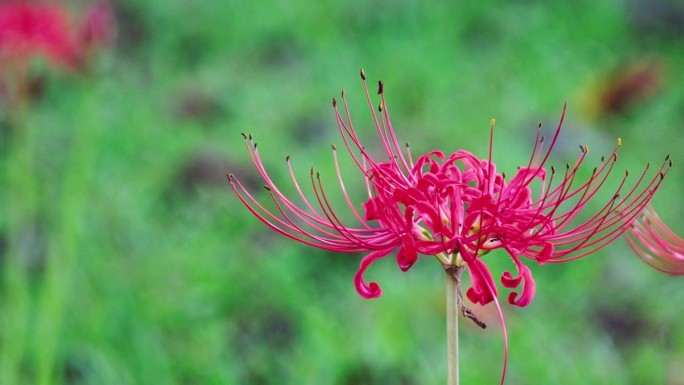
(364, 289)
(404, 197)
(483, 288)
(370, 209)
(525, 277)
(546, 253)
(407, 254)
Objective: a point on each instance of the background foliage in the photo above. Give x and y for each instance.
(126, 259)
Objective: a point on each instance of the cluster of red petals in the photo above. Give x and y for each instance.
(656, 243)
(36, 29)
(43, 29)
(458, 207)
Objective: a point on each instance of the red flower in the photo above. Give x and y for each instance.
(656, 243)
(34, 29)
(29, 30)
(42, 30)
(457, 208)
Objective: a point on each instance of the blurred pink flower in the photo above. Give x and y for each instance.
(43, 30)
(457, 208)
(98, 27)
(656, 243)
(29, 30)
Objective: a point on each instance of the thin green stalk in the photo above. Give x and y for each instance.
(452, 329)
(64, 244)
(21, 211)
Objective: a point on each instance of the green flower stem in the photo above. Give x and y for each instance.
(452, 329)
(66, 241)
(20, 209)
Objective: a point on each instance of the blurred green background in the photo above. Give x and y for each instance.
(127, 259)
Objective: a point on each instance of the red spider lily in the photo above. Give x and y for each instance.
(43, 30)
(457, 208)
(29, 30)
(36, 29)
(656, 243)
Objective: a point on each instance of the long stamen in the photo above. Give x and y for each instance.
(656, 244)
(344, 190)
(390, 131)
(244, 196)
(378, 126)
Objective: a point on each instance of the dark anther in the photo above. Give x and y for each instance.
(380, 87)
(287, 158)
(333, 147)
(230, 177)
(267, 188)
(334, 102)
(363, 74)
(243, 135)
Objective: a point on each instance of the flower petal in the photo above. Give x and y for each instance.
(525, 277)
(407, 254)
(483, 288)
(364, 289)
(370, 208)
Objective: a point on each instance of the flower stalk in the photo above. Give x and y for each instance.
(452, 329)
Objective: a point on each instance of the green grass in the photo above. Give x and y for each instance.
(126, 264)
